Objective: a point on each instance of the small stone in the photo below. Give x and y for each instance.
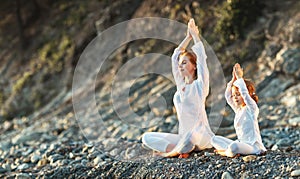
(26, 160)
(27, 152)
(235, 160)
(5, 166)
(284, 142)
(97, 160)
(89, 145)
(101, 163)
(289, 101)
(23, 176)
(42, 163)
(52, 147)
(207, 154)
(71, 155)
(275, 147)
(2, 170)
(295, 173)
(55, 157)
(294, 121)
(85, 149)
(13, 166)
(91, 150)
(130, 153)
(23, 166)
(171, 119)
(249, 158)
(114, 152)
(243, 167)
(226, 175)
(84, 162)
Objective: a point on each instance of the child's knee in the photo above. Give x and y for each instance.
(233, 147)
(213, 140)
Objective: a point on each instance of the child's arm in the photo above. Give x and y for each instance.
(240, 83)
(228, 95)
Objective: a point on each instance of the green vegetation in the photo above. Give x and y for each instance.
(17, 87)
(233, 16)
(2, 98)
(53, 53)
(37, 98)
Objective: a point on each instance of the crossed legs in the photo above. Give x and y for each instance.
(230, 148)
(162, 142)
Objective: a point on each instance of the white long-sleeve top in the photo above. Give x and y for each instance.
(245, 121)
(190, 102)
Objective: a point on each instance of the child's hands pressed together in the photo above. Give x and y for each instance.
(233, 75)
(238, 70)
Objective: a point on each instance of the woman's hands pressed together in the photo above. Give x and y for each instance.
(193, 30)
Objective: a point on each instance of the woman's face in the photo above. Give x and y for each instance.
(185, 66)
(236, 97)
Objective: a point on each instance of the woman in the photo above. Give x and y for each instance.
(192, 80)
(240, 95)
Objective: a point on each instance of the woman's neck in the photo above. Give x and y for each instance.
(189, 79)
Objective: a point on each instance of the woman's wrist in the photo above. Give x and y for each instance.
(188, 37)
(196, 38)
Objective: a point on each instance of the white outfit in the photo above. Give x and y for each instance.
(245, 124)
(194, 130)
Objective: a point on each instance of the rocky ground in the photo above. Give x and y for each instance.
(54, 143)
(55, 147)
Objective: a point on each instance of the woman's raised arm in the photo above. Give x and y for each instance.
(181, 48)
(198, 49)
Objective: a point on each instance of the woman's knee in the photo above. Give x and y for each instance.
(145, 137)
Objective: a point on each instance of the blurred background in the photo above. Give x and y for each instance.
(41, 42)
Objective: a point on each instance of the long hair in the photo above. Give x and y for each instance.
(251, 89)
(192, 57)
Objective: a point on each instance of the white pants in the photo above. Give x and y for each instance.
(184, 143)
(232, 148)
(159, 141)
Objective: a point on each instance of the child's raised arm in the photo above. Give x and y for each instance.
(228, 92)
(240, 83)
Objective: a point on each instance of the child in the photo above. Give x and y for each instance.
(240, 95)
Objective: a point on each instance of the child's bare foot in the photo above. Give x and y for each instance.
(221, 152)
(237, 155)
(216, 151)
(186, 155)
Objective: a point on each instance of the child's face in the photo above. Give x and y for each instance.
(236, 97)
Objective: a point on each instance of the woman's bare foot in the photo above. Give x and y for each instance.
(170, 147)
(186, 155)
(158, 154)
